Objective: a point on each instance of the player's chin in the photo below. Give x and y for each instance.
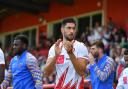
(71, 38)
(15, 52)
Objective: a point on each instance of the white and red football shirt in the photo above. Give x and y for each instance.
(123, 80)
(67, 77)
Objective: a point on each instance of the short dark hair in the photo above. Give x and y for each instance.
(23, 38)
(99, 44)
(126, 52)
(68, 20)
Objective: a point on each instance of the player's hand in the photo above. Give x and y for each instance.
(69, 46)
(58, 48)
(2, 87)
(91, 58)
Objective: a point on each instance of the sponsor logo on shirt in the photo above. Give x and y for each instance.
(60, 59)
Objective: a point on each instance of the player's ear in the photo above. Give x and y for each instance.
(62, 29)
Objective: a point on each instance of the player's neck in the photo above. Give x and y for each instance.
(20, 53)
(64, 40)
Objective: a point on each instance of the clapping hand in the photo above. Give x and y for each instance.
(2, 87)
(57, 47)
(91, 58)
(69, 46)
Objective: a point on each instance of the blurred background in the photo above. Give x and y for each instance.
(40, 20)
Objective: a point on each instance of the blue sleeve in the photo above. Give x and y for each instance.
(32, 65)
(105, 73)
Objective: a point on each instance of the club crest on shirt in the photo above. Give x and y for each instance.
(20, 65)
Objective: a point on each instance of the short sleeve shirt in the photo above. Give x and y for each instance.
(123, 80)
(2, 61)
(66, 76)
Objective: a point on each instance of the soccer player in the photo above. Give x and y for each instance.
(69, 57)
(23, 68)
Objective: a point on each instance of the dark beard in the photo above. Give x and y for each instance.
(20, 52)
(67, 38)
(96, 57)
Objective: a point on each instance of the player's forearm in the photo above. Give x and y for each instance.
(38, 79)
(50, 66)
(105, 73)
(79, 66)
(7, 79)
(5, 84)
(33, 67)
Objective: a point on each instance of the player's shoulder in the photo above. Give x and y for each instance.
(1, 52)
(110, 59)
(79, 44)
(52, 47)
(30, 56)
(125, 71)
(14, 59)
